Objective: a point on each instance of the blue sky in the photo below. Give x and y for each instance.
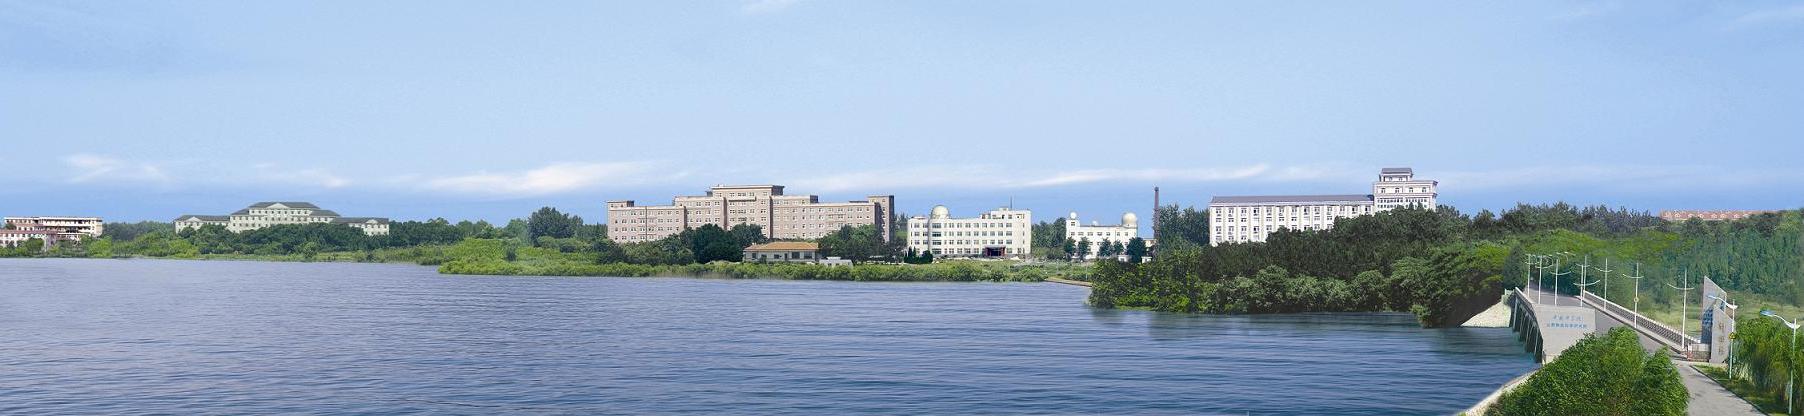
(486, 110)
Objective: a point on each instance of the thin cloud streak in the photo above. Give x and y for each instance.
(767, 6)
(550, 179)
(982, 176)
(100, 168)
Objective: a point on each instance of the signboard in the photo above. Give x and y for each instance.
(1562, 326)
(1717, 318)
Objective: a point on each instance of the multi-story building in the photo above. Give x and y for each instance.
(86, 226)
(1002, 232)
(50, 230)
(1096, 233)
(1241, 219)
(783, 217)
(1716, 215)
(264, 214)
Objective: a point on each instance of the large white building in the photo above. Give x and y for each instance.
(264, 214)
(1096, 234)
(1002, 232)
(781, 216)
(50, 230)
(1242, 219)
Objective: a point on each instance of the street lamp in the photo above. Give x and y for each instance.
(1637, 278)
(1684, 298)
(1790, 353)
(1556, 275)
(1728, 308)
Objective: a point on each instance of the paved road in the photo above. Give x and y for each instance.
(1707, 397)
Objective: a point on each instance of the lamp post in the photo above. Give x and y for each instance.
(1727, 308)
(1584, 275)
(1637, 300)
(1556, 275)
(1790, 353)
(1529, 262)
(1540, 277)
(1684, 297)
(1606, 270)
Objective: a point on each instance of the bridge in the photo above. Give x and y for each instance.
(1547, 323)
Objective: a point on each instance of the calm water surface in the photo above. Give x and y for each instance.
(186, 337)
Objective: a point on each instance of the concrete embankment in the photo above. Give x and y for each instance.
(1068, 281)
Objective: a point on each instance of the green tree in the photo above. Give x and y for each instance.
(1603, 374)
(859, 243)
(548, 222)
(1083, 248)
(606, 251)
(1136, 250)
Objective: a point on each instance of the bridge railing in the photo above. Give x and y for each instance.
(1667, 334)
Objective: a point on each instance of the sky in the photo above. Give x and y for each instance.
(145, 110)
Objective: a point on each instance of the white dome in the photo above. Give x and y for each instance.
(1074, 215)
(940, 212)
(1130, 220)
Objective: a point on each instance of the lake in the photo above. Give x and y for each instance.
(186, 337)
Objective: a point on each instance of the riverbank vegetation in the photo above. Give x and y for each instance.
(545, 243)
(1445, 266)
(1603, 374)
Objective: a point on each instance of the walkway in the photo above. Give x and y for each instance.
(1707, 397)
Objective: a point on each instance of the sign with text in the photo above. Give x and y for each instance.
(1562, 326)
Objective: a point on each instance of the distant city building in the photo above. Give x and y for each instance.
(788, 217)
(1002, 232)
(87, 226)
(1717, 215)
(1241, 219)
(50, 230)
(1096, 234)
(783, 252)
(264, 214)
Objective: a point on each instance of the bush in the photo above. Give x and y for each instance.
(1603, 374)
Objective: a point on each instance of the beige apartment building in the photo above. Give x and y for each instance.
(783, 217)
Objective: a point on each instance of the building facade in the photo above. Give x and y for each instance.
(50, 230)
(784, 217)
(90, 227)
(783, 252)
(1244, 219)
(1713, 215)
(1096, 233)
(1000, 233)
(264, 214)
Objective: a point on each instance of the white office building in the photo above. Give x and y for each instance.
(1000, 233)
(1096, 234)
(264, 214)
(1243, 219)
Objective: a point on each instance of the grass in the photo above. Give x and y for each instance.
(1772, 405)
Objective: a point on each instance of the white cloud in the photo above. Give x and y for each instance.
(99, 168)
(550, 179)
(1623, 177)
(766, 6)
(1793, 12)
(1588, 10)
(979, 176)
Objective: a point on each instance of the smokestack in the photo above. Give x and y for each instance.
(1155, 230)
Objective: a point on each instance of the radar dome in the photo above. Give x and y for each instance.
(940, 212)
(1130, 220)
(1074, 215)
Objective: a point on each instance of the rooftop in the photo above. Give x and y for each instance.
(1288, 199)
(1393, 171)
(785, 246)
(296, 205)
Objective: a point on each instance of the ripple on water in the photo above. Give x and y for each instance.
(144, 336)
